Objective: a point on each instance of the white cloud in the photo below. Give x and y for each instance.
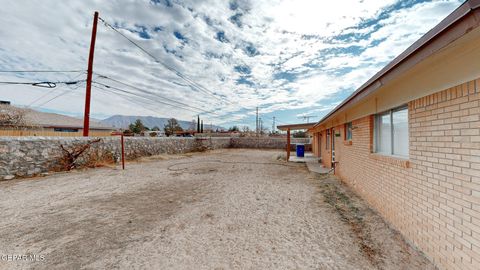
(305, 39)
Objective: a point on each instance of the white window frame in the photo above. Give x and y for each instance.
(348, 130)
(392, 128)
(327, 139)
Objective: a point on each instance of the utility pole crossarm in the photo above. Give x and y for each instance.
(307, 117)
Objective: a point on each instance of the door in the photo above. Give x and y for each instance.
(333, 144)
(319, 144)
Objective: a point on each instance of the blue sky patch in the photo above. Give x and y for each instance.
(244, 80)
(243, 69)
(221, 36)
(179, 36)
(250, 50)
(237, 19)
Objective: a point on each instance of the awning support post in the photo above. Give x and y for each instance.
(288, 144)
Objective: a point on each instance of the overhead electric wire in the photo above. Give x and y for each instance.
(155, 94)
(178, 73)
(51, 91)
(143, 105)
(41, 71)
(59, 95)
(129, 98)
(189, 108)
(47, 84)
(139, 96)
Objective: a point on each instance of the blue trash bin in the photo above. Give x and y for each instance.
(300, 150)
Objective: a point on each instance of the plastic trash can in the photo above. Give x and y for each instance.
(300, 150)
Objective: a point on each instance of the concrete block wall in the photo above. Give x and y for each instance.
(433, 197)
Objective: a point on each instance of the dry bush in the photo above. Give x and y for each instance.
(70, 156)
(12, 117)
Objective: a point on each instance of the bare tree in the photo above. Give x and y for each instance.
(12, 117)
(70, 157)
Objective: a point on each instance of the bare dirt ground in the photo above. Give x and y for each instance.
(225, 209)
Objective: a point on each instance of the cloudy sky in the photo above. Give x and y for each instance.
(220, 58)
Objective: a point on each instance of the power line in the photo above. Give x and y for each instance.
(143, 105)
(41, 71)
(178, 73)
(155, 94)
(57, 96)
(51, 91)
(195, 110)
(46, 84)
(188, 108)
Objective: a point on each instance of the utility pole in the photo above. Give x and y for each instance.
(273, 125)
(88, 89)
(198, 123)
(261, 125)
(256, 124)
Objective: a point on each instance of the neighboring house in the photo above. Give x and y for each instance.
(154, 133)
(43, 121)
(408, 141)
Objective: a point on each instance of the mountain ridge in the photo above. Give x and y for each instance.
(123, 121)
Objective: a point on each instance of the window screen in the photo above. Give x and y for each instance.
(384, 134)
(391, 132)
(348, 131)
(400, 132)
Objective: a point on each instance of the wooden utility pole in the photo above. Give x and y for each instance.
(86, 116)
(256, 124)
(260, 124)
(273, 125)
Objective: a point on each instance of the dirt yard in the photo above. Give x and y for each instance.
(226, 209)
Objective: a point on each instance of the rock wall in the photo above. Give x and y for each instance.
(30, 156)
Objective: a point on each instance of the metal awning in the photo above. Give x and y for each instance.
(296, 126)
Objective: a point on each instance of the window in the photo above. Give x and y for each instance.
(327, 141)
(65, 129)
(348, 131)
(391, 132)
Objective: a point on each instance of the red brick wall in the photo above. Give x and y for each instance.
(326, 154)
(433, 198)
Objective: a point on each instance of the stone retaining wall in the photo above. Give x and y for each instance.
(30, 156)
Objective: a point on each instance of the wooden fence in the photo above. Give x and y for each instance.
(53, 133)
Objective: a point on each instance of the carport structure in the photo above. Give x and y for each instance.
(288, 128)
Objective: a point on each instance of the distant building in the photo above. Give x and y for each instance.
(154, 133)
(60, 123)
(4, 102)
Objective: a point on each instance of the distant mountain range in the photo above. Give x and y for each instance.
(123, 121)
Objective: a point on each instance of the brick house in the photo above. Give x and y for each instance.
(408, 141)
